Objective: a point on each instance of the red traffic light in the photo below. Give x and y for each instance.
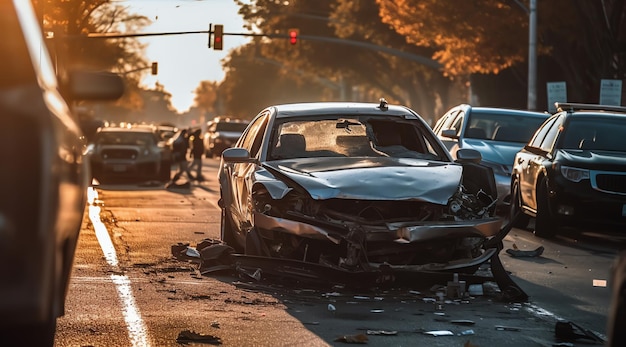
(218, 35)
(293, 36)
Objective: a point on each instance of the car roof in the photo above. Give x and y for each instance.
(593, 110)
(510, 111)
(347, 108)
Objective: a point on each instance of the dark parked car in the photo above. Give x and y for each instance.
(129, 153)
(221, 134)
(43, 179)
(573, 171)
(355, 187)
(497, 133)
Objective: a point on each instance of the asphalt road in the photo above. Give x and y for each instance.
(128, 290)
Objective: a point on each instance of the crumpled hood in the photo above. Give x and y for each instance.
(372, 178)
(495, 152)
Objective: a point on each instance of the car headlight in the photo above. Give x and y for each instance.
(574, 174)
(498, 169)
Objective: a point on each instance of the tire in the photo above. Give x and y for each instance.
(227, 234)
(545, 224)
(32, 334)
(521, 220)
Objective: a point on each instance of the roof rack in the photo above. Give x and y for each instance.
(571, 106)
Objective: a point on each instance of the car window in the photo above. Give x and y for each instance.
(253, 138)
(126, 138)
(594, 133)
(457, 123)
(541, 132)
(552, 134)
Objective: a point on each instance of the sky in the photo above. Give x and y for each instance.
(185, 60)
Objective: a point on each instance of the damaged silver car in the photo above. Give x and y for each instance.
(356, 187)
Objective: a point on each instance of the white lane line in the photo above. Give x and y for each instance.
(137, 331)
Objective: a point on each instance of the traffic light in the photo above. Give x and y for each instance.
(155, 68)
(293, 35)
(218, 36)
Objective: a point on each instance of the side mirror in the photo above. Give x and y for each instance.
(450, 133)
(92, 85)
(237, 155)
(467, 155)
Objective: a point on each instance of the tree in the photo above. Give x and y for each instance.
(70, 22)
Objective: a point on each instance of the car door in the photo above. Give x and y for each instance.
(243, 173)
(533, 158)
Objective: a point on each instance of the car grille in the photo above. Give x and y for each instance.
(119, 154)
(609, 182)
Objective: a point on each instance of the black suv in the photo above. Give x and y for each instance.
(222, 133)
(43, 179)
(573, 171)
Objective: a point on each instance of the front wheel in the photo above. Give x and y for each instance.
(545, 224)
(227, 233)
(516, 214)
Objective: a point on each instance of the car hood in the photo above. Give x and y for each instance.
(371, 178)
(592, 159)
(495, 151)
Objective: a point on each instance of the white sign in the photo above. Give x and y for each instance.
(611, 92)
(557, 92)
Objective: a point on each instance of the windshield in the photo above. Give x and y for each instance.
(503, 127)
(345, 137)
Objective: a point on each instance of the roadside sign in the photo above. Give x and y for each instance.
(557, 92)
(611, 92)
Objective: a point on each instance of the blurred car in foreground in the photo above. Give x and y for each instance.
(129, 153)
(497, 133)
(573, 171)
(221, 134)
(355, 187)
(43, 179)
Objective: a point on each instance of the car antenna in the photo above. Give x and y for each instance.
(383, 105)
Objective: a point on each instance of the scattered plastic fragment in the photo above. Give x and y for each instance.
(518, 253)
(360, 338)
(415, 292)
(599, 283)
(377, 311)
(332, 308)
(467, 332)
(507, 328)
(188, 336)
(439, 333)
(359, 297)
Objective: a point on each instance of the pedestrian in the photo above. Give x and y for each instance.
(180, 146)
(197, 150)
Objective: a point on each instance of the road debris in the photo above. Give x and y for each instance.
(506, 328)
(439, 333)
(518, 253)
(570, 331)
(188, 336)
(359, 338)
(382, 332)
